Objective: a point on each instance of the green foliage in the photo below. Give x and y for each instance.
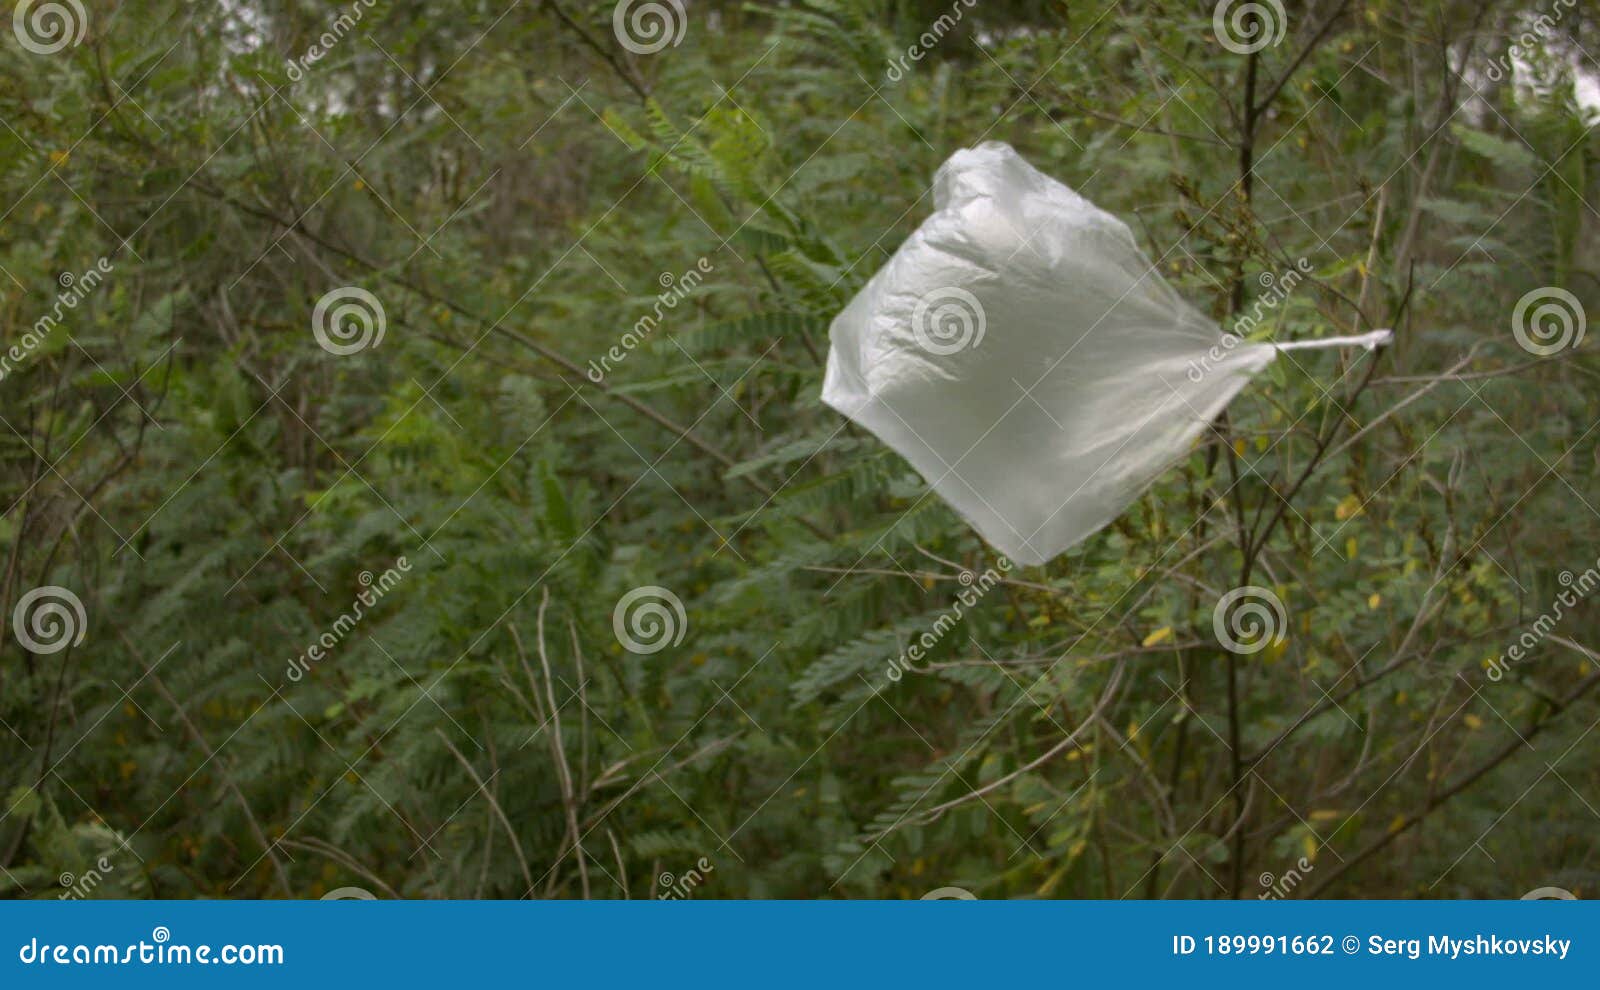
(247, 716)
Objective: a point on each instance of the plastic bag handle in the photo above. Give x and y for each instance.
(1377, 338)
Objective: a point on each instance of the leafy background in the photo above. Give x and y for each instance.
(512, 184)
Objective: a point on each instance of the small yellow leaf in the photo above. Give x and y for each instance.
(1159, 636)
(1238, 446)
(1348, 506)
(1326, 815)
(1350, 548)
(1309, 843)
(1473, 722)
(360, 185)
(1375, 600)
(1398, 823)
(59, 157)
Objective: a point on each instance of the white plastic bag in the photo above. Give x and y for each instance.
(1026, 358)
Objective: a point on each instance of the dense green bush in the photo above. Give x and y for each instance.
(352, 618)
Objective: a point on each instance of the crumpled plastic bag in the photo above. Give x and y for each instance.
(1028, 360)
